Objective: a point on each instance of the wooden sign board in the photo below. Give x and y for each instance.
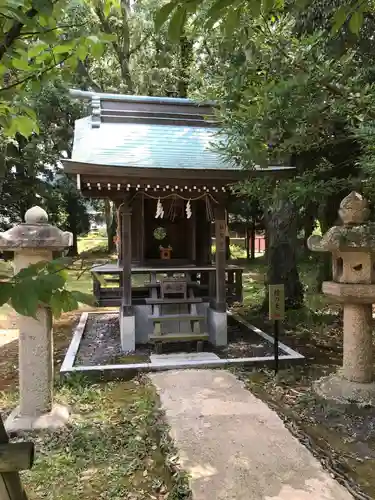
(276, 306)
(220, 235)
(173, 286)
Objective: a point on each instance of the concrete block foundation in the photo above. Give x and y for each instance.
(143, 327)
(217, 327)
(127, 332)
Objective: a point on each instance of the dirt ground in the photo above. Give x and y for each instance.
(9, 349)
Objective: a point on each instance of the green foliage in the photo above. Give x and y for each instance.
(349, 12)
(177, 23)
(43, 283)
(36, 45)
(30, 168)
(103, 45)
(162, 14)
(291, 93)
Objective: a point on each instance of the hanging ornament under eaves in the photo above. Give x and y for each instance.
(188, 209)
(171, 214)
(159, 210)
(209, 211)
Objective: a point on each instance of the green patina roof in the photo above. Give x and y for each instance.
(149, 132)
(148, 145)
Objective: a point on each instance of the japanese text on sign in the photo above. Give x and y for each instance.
(220, 233)
(276, 301)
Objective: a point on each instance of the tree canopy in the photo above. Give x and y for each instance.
(294, 84)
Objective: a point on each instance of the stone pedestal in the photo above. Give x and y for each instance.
(36, 363)
(337, 388)
(358, 355)
(353, 255)
(32, 242)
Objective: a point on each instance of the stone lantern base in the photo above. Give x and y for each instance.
(57, 417)
(340, 390)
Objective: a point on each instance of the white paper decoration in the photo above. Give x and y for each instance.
(159, 210)
(188, 209)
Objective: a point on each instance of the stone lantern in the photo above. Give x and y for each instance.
(353, 268)
(33, 241)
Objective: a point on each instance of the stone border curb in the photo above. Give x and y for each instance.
(117, 370)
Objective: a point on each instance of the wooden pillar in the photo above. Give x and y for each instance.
(227, 238)
(203, 235)
(117, 204)
(194, 234)
(220, 234)
(142, 230)
(126, 248)
(135, 230)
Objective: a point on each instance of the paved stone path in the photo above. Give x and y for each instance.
(7, 336)
(234, 446)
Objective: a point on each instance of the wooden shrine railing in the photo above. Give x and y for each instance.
(14, 457)
(107, 284)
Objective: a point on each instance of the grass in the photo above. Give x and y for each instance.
(128, 359)
(117, 444)
(88, 243)
(117, 447)
(342, 436)
(317, 324)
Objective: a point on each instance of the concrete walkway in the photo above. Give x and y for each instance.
(234, 446)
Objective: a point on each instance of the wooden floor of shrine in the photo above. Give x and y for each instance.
(107, 281)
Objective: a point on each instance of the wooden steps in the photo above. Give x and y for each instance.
(175, 292)
(148, 284)
(178, 337)
(177, 317)
(161, 302)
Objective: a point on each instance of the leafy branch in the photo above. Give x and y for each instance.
(38, 74)
(14, 32)
(50, 30)
(43, 283)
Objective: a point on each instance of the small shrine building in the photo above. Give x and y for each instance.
(154, 158)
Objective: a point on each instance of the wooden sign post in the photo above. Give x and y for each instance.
(13, 458)
(276, 313)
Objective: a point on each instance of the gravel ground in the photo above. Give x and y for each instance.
(244, 343)
(101, 343)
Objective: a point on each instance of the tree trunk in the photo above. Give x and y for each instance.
(72, 221)
(247, 242)
(73, 250)
(108, 213)
(113, 235)
(227, 248)
(265, 241)
(308, 228)
(185, 60)
(252, 239)
(328, 217)
(281, 223)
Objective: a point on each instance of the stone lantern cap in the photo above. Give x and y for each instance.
(34, 233)
(355, 235)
